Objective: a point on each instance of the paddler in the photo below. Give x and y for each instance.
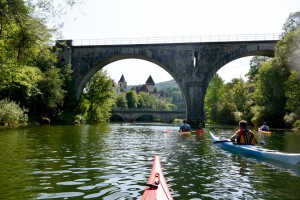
(264, 127)
(243, 135)
(185, 127)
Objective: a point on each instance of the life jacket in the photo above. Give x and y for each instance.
(245, 137)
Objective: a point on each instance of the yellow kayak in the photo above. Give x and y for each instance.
(188, 133)
(264, 132)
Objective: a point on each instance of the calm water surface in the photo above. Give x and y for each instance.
(113, 161)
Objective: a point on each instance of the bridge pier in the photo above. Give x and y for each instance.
(195, 104)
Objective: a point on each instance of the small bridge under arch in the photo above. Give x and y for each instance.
(129, 115)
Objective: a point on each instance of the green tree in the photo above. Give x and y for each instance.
(242, 99)
(27, 57)
(226, 111)
(212, 98)
(292, 93)
(144, 100)
(273, 91)
(19, 84)
(99, 96)
(254, 65)
(291, 24)
(288, 50)
(48, 102)
(132, 99)
(270, 94)
(22, 37)
(121, 101)
(288, 56)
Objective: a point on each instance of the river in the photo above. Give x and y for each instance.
(113, 161)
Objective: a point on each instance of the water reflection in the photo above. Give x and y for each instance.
(113, 161)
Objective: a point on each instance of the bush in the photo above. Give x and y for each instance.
(79, 119)
(296, 125)
(11, 114)
(292, 120)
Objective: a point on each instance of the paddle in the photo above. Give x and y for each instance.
(173, 131)
(220, 141)
(199, 131)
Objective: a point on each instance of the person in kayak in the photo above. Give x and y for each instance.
(185, 127)
(264, 127)
(243, 135)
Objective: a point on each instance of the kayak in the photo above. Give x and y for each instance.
(257, 151)
(186, 134)
(156, 187)
(200, 131)
(264, 132)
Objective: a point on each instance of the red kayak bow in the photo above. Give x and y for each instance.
(156, 187)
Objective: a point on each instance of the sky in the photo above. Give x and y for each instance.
(104, 19)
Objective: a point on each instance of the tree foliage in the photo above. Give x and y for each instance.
(98, 98)
(51, 97)
(143, 100)
(212, 99)
(11, 114)
(292, 91)
(291, 24)
(255, 62)
(269, 93)
(27, 72)
(27, 60)
(132, 99)
(275, 83)
(121, 101)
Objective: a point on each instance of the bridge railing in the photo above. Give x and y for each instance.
(145, 110)
(176, 39)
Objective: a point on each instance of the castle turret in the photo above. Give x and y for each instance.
(150, 81)
(122, 84)
(150, 84)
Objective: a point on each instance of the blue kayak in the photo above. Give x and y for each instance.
(257, 151)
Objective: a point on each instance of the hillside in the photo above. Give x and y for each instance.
(167, 84)
(162, 85)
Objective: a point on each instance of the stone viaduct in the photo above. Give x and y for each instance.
(192, 65)
(132, 114)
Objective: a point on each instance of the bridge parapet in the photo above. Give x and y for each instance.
(145, 110)
(177, 39)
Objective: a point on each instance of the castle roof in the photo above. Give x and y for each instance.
(114, 83)
(122, 79)
(150, 81)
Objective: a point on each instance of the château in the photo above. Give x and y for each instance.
(148, 87)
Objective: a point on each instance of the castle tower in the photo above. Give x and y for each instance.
(122, 84)
(150, 84)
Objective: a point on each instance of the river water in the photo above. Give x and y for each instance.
(113, 161)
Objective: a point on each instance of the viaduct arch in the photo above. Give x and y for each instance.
(192, 65)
